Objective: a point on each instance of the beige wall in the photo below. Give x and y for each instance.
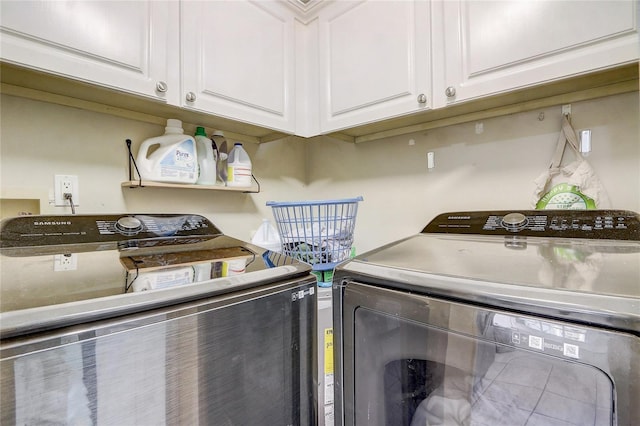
(39, 140)
(490, 170)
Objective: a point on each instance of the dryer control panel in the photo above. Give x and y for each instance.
(592, 224)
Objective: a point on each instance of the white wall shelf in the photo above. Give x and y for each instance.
(254, 189)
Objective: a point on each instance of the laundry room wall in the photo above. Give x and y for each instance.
(39, 140)
(474, 170)
(489, 169)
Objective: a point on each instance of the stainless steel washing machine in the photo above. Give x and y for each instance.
(493, 318)
(151, 319)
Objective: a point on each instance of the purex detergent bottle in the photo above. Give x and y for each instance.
(170, 158)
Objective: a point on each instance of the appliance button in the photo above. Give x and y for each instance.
(128, 225)
(128, 244)
(515, 243)
(514, 221)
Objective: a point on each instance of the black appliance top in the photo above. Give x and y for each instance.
(66, 269)
(125, 230)
(592, 224)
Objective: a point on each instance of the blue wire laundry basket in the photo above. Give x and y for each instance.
(319, 233)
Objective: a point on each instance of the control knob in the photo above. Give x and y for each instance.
(514, 221)
(128, 225)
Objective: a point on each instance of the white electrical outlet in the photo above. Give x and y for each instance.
(65, 262)
(431, 160)
(66, 184)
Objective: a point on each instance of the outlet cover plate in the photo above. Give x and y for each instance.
(61, 185)
(65, 262)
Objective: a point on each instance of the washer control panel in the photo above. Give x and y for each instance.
(30, 231)
(155, 225)
(594, 224)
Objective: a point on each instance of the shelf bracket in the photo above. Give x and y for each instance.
(133, 161)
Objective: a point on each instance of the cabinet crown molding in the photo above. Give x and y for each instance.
(306, 10)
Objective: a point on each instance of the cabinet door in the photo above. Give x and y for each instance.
(121, 45)
(374, 61)
(238, 61)
(487, 47)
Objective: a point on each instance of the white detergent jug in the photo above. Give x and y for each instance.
(206, 162)
(233, 267)
(267, 237)
(238, 167)
(174, 159)
(163, 278)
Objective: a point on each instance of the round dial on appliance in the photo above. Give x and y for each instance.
(128, 225)
(514, 221)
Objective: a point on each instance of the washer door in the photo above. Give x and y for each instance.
(416, 361)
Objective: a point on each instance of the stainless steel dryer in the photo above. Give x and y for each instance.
(151, 319)
(493, 318)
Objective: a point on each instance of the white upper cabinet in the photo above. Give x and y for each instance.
(122, 45)
(374, 59)
(488, 47)
(330, 66)
(238, 61)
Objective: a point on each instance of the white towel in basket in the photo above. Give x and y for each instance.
(319, 242)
